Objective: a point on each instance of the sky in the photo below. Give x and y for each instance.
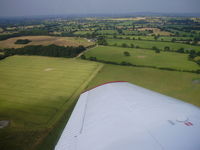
(67, 7)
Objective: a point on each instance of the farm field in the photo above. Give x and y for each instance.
(175, 84)
(150, 44)
(143, 57)
(35, 92)
(151, 38)
(45, 40)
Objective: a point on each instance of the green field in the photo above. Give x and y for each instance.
(150, 44)
(34, 94)
(175, 84)
(151, 38)
(143, 57)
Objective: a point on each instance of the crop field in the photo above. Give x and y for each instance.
(35, 92)
(45, 40)
(175, 84)
(150, 44)
(143, 57)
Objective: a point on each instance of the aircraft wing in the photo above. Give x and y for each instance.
(123, 116)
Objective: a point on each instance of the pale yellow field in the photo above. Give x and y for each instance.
(135, 19)
(156, 31)
(45, 40)
(120, 19)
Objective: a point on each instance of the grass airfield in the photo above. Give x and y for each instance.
(35, 92)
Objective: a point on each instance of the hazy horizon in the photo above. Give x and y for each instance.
(9, 8)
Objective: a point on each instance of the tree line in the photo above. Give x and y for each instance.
(24, 33)
(50, 50)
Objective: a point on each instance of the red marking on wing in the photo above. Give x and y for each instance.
(104, 84)
(188, 124)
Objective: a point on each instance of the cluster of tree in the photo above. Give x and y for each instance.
(180, 50)
(22, 41)
(156, 37)
(157, 50)
(2, 56)
(70, 34)
(101, 40)
(50, 50)
(87, 35)
(127, 53)
(194, 56)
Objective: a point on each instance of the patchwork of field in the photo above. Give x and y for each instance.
(143, 57)
(45, 40)
(175, 84)
(34, 94)
(150, 44)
